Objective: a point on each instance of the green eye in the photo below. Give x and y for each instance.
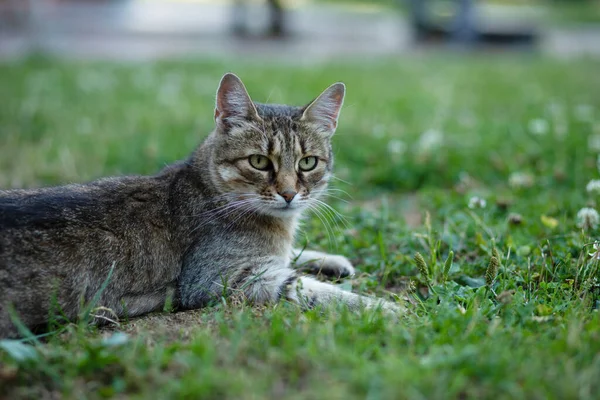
(259, 162)
(308, 163)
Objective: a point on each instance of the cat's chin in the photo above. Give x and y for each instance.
(283, 212)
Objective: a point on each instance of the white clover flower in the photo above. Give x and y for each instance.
(588, 218)
(476, 202)
(430, 139)
(378, 131)
(538, 126)
(561, 130)
(594, 142)
(593, 186)
(584, 112)
(555, 108)
(596, 253)
(520, 180)
(396, 146)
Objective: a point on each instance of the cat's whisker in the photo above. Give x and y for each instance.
(224, 212)
(220, 210)
(334, 213)
(327, 190)
(330, 216)
(229, 197)
(194, 167)
(244, 210)
(329, 226)
(255, 210)
(238, 207)
(341, 180)
(248, 209)
(323, 221)
(215, 210)
(330, 234)
(334, 197)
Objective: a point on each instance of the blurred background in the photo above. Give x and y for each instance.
(292, 29)
(441, 93)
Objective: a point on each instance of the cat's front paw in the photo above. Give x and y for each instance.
(332, 265)
(338, 266)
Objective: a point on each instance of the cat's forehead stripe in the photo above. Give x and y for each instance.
(278, 110)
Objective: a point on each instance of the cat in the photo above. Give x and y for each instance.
(222, 221)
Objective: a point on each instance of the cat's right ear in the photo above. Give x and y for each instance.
(233, 105)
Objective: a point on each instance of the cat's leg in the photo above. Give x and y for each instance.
(266, 283)
(258, 280)
(309, 292)
(276, 280)
(7, 328)
(316, 262)
(132, 305)
(268, 280)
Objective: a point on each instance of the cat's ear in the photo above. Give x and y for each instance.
(233, 105)
(324, 111)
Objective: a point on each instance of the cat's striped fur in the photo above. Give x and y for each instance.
(209, 224)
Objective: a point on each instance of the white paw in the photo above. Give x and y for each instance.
(332, 265)
(337, 265)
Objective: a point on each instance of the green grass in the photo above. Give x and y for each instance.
(575, 12)
(534, 333)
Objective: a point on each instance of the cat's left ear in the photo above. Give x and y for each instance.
(324, 111)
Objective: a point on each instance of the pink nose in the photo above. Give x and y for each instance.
(288, 195)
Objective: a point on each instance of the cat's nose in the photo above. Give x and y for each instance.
(288, 195)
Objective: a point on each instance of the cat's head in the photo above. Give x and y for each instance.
(273, 159)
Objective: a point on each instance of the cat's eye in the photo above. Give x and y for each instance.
(259, 162)
(308, 163)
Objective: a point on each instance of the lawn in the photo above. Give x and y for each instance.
(485, 156)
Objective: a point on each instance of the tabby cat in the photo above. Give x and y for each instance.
(222, 220)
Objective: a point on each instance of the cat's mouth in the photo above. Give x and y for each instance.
(286, 210)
